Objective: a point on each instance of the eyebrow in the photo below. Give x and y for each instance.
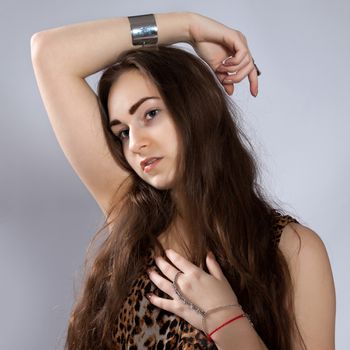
(133, 109)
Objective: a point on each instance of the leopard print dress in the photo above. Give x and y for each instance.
(142, 325)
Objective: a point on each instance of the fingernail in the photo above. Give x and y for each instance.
(224, 61)
(148, 295)
(227, 63)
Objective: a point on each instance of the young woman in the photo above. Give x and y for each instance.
(194, 255)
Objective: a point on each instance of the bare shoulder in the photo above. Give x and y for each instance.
(297, 238)
(314, 290)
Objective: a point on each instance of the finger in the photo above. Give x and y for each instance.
(225, 68)
(234, 42)
(168, 270)
(214, 267)
(221, 76)
(166, 304)
(228, 86)
(162, 283)
(226, 59)
(180, 262)
(240, 75)
(253, 82)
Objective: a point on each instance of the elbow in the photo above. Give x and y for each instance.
(39, 46)
(35, 39)
(36, 45)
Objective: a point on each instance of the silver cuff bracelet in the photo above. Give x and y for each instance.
(144, 30)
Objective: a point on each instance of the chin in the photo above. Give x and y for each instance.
(159, 181)
(159, 185)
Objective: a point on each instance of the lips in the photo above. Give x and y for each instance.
(148, 161)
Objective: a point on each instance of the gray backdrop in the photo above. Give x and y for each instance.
(299, 123)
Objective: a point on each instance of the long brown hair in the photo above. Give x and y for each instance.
(233, 216)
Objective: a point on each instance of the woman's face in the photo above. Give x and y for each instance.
(139, 117)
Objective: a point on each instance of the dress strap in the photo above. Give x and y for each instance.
(279, 222)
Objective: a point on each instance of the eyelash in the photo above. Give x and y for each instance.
(119, 134)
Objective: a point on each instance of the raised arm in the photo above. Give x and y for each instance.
(63, 57)
(85, 48)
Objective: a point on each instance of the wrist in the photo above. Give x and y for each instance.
(192, 25)
(218, 318)
(239, 334)
(174, 27)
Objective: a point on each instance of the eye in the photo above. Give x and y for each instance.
(152, 114)
(121, 134)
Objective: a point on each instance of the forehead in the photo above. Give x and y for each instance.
(130, 87)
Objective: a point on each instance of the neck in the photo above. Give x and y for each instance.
(175, 236)
(180, 202)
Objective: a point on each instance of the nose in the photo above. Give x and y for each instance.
(137, 139)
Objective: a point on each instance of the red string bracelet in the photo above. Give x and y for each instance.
(227, 322)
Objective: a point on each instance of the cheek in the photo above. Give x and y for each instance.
(129, 160)
(128, 157)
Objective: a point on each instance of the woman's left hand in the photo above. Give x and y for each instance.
(206, 290)
(216, 43)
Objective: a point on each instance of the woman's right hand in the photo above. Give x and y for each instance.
(215, 42)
